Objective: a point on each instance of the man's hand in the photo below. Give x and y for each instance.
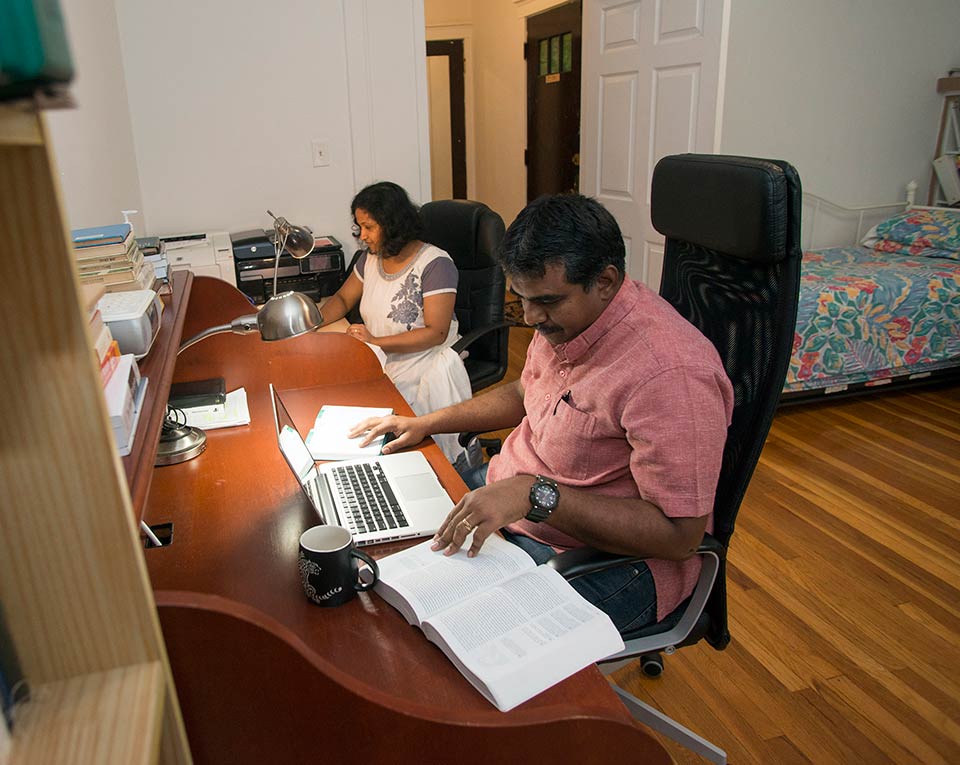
(484, 511)
(409, 431)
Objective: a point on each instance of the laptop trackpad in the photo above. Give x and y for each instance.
(417, 487)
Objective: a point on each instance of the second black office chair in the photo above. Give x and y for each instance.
(732, 268)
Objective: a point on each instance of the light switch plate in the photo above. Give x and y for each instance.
(321, 153)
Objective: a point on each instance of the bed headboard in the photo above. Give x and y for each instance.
(827, 224)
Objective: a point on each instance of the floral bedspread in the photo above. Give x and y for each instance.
(866, 315)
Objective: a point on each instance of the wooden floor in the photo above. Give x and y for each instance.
(844, 593)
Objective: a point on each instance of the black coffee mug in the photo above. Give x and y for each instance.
(328, 566)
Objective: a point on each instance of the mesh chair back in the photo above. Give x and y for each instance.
(732, 268)
(471, 233)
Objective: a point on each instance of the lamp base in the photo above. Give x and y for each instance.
(179, 444)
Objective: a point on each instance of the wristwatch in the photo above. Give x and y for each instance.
(544, 498)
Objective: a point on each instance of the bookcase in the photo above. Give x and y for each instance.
(73, 581)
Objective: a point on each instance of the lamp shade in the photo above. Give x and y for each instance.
(287, 315)
(294, 239)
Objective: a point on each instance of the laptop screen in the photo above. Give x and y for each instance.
(295, 451)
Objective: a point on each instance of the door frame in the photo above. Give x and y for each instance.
(452, 50)
(463, 32)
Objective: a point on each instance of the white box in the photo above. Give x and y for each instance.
(120, 392)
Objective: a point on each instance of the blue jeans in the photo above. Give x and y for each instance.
(625, 593)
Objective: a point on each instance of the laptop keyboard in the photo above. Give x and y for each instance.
(369, 503)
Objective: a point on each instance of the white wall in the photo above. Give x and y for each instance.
(93, 143)
(843, 89)
(225, 98)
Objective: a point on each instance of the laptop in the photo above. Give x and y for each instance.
(379, 499)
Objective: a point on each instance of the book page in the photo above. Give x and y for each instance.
(521, 637)
(431, 581)
(328, 439)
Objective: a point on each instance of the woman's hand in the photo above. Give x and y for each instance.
(361, 333)
(409, 431)
(484, 511)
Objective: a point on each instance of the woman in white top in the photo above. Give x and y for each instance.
(406, 290)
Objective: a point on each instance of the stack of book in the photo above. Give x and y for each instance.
(110, 256)
(154, 251)
(123, 388)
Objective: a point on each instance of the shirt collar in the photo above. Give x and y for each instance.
(623, 302)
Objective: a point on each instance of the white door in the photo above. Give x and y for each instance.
(651, 87)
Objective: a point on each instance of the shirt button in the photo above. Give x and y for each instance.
(547, 397)
(563, 372)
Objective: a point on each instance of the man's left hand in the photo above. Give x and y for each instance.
(484, 511)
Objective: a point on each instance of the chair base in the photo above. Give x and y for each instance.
(654, 718)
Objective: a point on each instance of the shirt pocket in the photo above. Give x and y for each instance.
(566, 444)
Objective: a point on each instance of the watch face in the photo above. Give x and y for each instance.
(545, 495)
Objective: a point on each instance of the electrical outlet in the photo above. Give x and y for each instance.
(321, 154)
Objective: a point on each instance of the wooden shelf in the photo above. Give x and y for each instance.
(158, 366)
(104, 717)
(73, 580)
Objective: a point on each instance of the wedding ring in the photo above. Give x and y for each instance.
(466, 525)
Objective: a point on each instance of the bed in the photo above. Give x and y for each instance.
(882, 308)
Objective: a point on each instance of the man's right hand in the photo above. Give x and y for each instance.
(409, 431)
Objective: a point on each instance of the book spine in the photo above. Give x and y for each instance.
(110, 363)
(13, 686)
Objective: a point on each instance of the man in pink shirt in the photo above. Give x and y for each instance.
(620, 418)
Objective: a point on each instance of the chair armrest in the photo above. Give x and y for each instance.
(465, 341)
(587, 560)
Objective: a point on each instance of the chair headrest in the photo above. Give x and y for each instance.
(734, 205)
(469, 231)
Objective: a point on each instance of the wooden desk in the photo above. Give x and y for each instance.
(238, 513)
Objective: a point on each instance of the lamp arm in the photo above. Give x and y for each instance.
(242, 325)
(278, 247)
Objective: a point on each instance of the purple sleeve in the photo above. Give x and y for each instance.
(439, 275)
(359, 266)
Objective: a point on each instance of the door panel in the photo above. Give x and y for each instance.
(649, 88)
(553, 101)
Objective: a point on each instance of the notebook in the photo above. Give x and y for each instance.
(379, 499)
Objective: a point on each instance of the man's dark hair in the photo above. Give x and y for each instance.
(571, 229)
(390, 206)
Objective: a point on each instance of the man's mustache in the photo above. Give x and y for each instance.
(547, 329)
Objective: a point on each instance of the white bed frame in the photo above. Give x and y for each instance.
(827, 224)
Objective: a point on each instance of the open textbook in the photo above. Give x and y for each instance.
(328, 439)
(512, 628)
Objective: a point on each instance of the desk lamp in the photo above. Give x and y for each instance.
(287, 314)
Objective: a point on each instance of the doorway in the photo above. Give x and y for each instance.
(448, 141)
(552, 53)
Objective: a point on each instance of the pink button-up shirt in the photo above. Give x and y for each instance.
(636, 405)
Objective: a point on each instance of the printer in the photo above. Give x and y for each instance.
(206, 254)
(318, 275)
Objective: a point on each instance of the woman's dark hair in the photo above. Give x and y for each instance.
(390, 206)
(568, 228)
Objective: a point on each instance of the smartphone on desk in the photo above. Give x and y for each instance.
(194, 393)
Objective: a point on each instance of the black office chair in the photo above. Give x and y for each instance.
(732, 268)
(471, 233)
